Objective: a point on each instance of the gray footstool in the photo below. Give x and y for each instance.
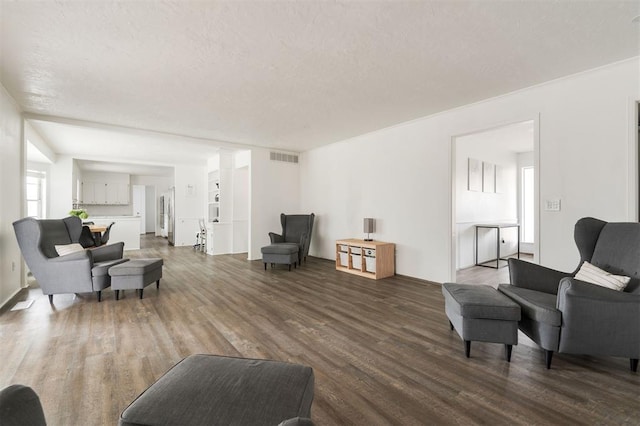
(481, 313)
(280, 253)
(135, 274)
(217, 390)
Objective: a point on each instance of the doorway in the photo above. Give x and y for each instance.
(494, 182)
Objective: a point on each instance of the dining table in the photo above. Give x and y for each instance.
(97, 231)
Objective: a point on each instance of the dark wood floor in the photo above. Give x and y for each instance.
(382, 351)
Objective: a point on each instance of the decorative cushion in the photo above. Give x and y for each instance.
(594, 275)
(68, 248)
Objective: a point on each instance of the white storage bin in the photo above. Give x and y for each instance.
(356, 261)
(344, 259)
(344, 248)
(370, 264)
(370, 252)
(356, 250)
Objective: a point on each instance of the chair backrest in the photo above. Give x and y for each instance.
(74, 227)
(105, 236)
(37, 240)
(618, 251)
(294, 226)
(86, 238)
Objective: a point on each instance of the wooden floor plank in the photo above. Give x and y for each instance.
(382, 351)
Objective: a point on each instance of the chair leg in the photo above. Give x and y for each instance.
(117, 294)
(547, 356)
(99, 293)
(451, 325)
(265, 266)
(50, 298)
(467, 348)
(633, 363)
(289, 267)
(507, 352)
(141, 290)
(158, 284)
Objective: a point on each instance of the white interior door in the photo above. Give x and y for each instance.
(139, 209)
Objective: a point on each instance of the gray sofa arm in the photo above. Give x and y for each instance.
(276, 238)
(66, 274)
(535, 277)
(108, 252)
(598, 320)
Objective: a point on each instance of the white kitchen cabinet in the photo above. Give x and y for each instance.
(104, 193)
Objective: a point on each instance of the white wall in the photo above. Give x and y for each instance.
(11, 190)
(274, 188)
(191, 196)
(61, 186)
(240, 209)
(402, 175)
(478, 207)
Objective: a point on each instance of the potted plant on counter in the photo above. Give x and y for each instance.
(81, 213)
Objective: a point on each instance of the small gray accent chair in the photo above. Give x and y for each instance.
(296, 228)
(80, 272)
(566, 315)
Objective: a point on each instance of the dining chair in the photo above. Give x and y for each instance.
(105, 236)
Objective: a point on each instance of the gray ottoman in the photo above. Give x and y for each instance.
(135, 274)
(281, 253)
(217, 390)
(481, 313)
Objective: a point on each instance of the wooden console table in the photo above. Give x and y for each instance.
(498, 227)
(370, 259)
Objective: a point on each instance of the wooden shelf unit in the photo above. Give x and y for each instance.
(377, 259)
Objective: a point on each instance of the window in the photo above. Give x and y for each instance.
(36, 185)
(527, 222)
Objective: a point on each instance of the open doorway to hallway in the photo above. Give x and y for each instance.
(494, 201)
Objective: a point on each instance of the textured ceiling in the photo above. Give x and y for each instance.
(293, 75)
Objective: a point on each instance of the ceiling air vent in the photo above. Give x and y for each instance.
(282, 156)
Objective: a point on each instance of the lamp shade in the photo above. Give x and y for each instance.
(369, 225)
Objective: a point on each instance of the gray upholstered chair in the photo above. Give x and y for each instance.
(296, 228)
(563, 314)
(20, 406)
(83, 271)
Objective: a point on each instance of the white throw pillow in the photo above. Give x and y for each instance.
(68, 248)
(594, 275)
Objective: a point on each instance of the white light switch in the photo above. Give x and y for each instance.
(552, 205)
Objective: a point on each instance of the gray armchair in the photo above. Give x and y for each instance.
(80, 272)
(296, 228)
(566, 315)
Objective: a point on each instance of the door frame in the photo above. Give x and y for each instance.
(452, 180)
